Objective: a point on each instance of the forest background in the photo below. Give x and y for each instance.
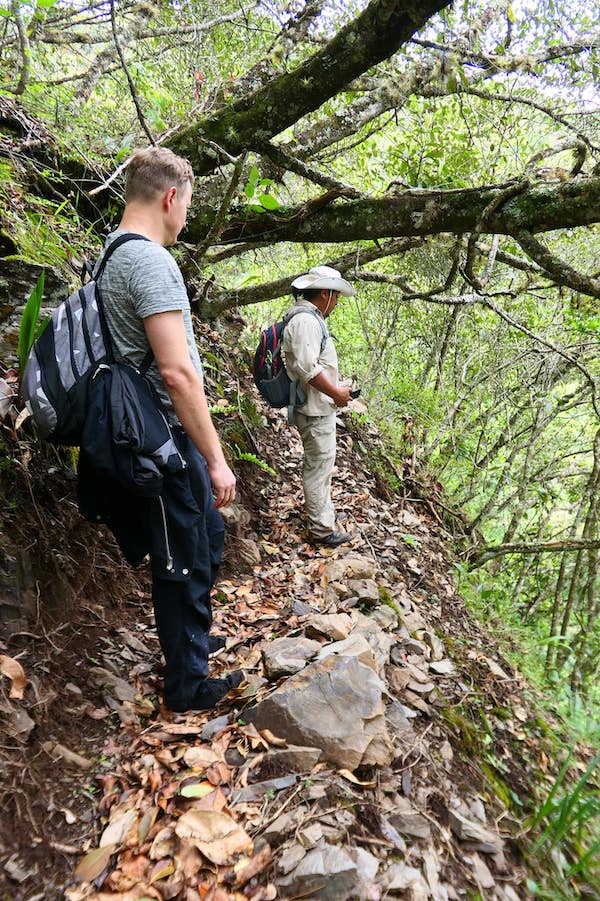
(446, 158)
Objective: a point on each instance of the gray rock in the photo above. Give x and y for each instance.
(235, 516)
(293, 759)
(366, 866)
(400, 727)
(116, 686)
(285, 656)
(442, 667)
(336, 626)
(18, 724)
(384, 616)
(247, 550)
(300, 609)
(436, 645)
(327, 873)
(413, 646)
(409, 821)
(290, 858)
(365, 590)
(482, 875)
(467, 830)
(277, 831)
(355, 646)
(381, 642)
(335, 705)
(361, 567)
(353, 567)
(256, 790)
(210, 729)
(400, 877)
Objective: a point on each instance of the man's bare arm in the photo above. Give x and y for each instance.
(166, 334)
(340, 395)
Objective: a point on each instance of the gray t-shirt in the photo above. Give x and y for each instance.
(142, 278)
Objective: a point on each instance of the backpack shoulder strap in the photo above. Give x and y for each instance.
(118, 242)
(297, 310)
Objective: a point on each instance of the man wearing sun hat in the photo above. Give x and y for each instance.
(312, 361)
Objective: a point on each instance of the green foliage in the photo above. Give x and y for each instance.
(569, 818)
(29, 329)
(265, 200)
(257, 461)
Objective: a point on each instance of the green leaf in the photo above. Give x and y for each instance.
(197, 790)
(252, 182)
(269, 202)
(122, 154)
(29, 322)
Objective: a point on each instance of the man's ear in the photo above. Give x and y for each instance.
(169, 196)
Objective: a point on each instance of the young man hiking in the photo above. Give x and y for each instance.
(146, 306)
(312, 361)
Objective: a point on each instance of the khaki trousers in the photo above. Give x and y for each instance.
(318, 438)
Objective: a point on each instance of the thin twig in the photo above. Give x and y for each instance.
(132, 90)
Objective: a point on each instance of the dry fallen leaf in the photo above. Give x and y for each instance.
(14, 671)
(90, 867)
(199, 757)
(247, 867)
(273, 739)
(346, 774)
(215, 834)
(162, 869)
(146, 823)
(119, 826)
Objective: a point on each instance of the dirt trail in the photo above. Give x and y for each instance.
(202, 807)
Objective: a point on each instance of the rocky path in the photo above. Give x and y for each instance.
(345, 767)
(377, 749)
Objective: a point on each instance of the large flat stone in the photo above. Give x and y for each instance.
(335, 705)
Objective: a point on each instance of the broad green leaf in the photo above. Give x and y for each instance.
(269, 202)
(252, 182)
(29, 322)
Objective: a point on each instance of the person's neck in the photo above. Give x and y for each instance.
(143, 222)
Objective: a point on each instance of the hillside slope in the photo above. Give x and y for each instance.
(379, 747)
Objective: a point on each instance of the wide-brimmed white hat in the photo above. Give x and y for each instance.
(323, 277)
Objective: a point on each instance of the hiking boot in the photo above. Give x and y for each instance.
(216, 643)
(334, 539)
(210, 692)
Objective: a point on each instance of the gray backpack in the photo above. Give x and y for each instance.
(69, 351)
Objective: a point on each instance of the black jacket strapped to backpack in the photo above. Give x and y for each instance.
(131, 473)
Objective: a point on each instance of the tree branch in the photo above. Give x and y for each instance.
(372, 37)
(478, 556)
(243, 297)
(541, 207)
(557, 269)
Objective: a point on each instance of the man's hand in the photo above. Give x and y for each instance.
(223, 482)
(342, 395)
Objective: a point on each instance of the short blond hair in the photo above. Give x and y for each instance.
(154, 169)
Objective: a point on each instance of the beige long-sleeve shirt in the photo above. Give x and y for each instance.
(304, 359)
